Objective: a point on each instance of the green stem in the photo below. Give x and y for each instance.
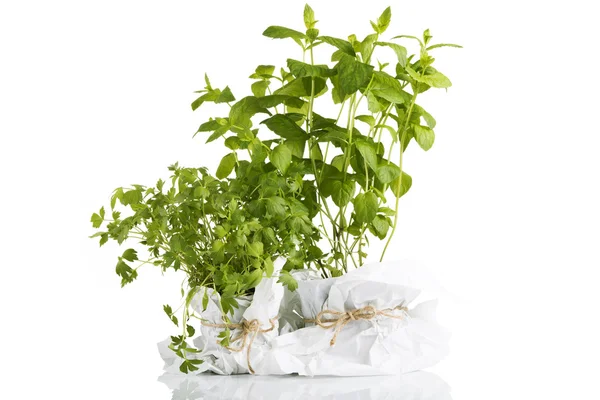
(400, 136)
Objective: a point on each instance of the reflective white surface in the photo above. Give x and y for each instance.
(412, 386)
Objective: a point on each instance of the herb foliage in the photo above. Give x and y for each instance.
(294, 183)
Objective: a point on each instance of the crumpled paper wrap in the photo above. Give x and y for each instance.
(262, 306)
(414, 386)
(380, 346)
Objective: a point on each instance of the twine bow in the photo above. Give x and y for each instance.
(249, 328)
(339, 319)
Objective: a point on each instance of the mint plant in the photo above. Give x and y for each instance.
(352, 161)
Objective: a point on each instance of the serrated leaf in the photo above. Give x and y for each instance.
(426, 116)
(226, 96)
(241, 112)
(96, 220)
(280, 32)
(386, 173)
(368, 119)
(285, 127)
(343, 45)
(281, 157)
(309, 17)
(190, 331)
(400, 51)
(302, 87)
(300, 69)
(226, 166)
(365, 207)
(259, 89)
(255, 249)
(383, 22)
(287, 280)
(424, 136)
(342, 191)
(388, 88)
(400, 186)
(352, 74)
(379, 226)
(368, 151)
(130, 255)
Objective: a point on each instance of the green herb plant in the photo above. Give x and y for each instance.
(294, 183)
(353, 160)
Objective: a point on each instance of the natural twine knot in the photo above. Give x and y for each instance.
(249, 328)
(339, 319)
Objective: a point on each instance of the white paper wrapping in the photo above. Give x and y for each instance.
(381, 346)
(413, 386)
(262, 306)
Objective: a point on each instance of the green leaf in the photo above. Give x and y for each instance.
(280, 32)
(276, 206)
(96, 220)
(296, 147)
(300, 69)
(367, 46)
(365, 207)
(243, 110)
(437, 80)
(435, 46)
(288, 281)
(205, 300)
(424, 136)
(103, 239)
(126, 273)
(374, 105)
(352, 74)
(400, 186)
(281, 157)
(210, 96)
(383, 22)
(368, 151)
(226, 166)
(302, 87)
(342, 191)
(379, 227)
(226, 96)
(387, 87)
(259, 89)
(276, 99)
(253, 278)
(342, 45)
(309, 17)
(386, 173)
(285, 127)
(268, 266)
(190, 330)
(400, 51)
(263, 72)
(130, 255)
(368, 119)
(426, 116)
(255, 249)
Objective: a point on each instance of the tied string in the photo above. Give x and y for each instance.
(328, 319)
(249, 329)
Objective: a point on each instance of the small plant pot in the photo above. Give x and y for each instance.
(366, 322)
(252, 327)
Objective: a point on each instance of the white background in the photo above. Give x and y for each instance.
(504, 207)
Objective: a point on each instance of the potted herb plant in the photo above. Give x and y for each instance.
(309, 191)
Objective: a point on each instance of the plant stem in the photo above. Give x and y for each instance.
(400, 135)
